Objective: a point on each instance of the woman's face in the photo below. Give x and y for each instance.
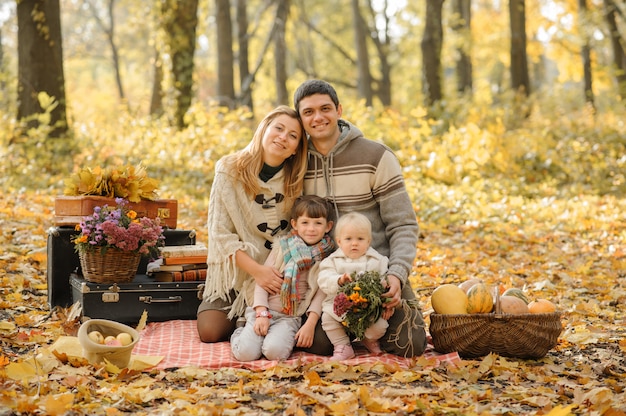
(281, 139)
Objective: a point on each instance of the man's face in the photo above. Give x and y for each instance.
(320, 116)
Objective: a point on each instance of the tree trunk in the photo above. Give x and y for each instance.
(586, 53)
(463, 27)
(431, 52)
(156, 100)
(40, 62)
(520, 80)
(364, 78)
(109, 31)
(245, 98)
(225, 59)
(619, 55)
(180, 22)
(280, 52)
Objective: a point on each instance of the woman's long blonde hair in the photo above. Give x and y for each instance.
(248, 162)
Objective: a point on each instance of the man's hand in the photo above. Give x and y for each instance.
(393, 294)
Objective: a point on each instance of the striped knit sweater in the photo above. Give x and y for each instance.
(365, 176)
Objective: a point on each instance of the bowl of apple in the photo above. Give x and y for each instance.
(104, 339)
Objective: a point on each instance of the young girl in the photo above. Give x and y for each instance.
(273, 323)
(354, 236)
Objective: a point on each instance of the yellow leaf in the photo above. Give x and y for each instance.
(561, 411)
(59, 404)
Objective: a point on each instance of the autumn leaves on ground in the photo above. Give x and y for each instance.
(540, 212)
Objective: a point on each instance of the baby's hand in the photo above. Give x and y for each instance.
(344, 278)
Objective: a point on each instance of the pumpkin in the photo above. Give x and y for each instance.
(512, 305)
(541, 306)
(466, 285)
(479, 300)
(449, 299)
(517, 293)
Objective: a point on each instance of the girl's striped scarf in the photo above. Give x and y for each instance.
(299, 257)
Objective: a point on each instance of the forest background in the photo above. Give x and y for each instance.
(508, 118)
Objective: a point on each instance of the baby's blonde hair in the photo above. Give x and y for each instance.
(357, 219)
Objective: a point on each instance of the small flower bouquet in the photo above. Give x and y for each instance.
(114, 238)
(359, 303)
(119, 228)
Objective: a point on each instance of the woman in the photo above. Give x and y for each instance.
(251, 197)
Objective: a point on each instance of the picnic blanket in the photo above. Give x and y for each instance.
(177, 341)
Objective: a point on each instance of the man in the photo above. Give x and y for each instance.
(358, 174)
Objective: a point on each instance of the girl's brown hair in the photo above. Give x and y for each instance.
(312, 206)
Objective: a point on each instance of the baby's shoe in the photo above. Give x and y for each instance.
(342, 352)
(372, 345)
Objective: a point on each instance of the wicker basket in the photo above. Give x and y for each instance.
(115, 266)
(475, 335)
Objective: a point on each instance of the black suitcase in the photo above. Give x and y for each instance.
(63, 260)
(126, 302)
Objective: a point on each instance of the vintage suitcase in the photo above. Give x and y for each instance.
(126, 302)
(69, 210)
(63, 260)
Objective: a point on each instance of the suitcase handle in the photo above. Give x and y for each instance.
(150, 299)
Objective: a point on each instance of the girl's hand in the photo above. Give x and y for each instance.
(306, 333)
(261, 325)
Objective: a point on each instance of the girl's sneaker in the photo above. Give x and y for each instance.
(342, 352)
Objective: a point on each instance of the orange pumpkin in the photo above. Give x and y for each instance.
(479, 300)
(449, 299)
(512, 305)
(541, 306)
(466, 285)
(517, 293)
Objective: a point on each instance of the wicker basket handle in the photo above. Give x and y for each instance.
(498, 307)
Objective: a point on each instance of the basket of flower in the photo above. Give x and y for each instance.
(112, 240)
(360, 303)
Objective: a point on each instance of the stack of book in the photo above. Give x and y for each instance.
(182, 263)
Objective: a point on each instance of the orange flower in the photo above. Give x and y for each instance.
(132, 214)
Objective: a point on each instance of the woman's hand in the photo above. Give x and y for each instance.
(269, 279)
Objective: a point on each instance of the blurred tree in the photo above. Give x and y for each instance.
(462, 24)
(520, 80)
(382, 41)
(432, 41)
(280, 51)
(40, 63)
(361, 35)
(108, 28)
(617, 44)
(245, 97)
(225, 56)
(179, 19)
(586, 52)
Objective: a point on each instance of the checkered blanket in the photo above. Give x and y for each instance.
(178, 342)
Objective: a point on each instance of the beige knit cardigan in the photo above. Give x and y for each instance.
(237, 222)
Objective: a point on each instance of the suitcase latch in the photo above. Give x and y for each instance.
(110, 297)
(163, 213)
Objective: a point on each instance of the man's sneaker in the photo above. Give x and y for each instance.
(342, 352)
(372, 345)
